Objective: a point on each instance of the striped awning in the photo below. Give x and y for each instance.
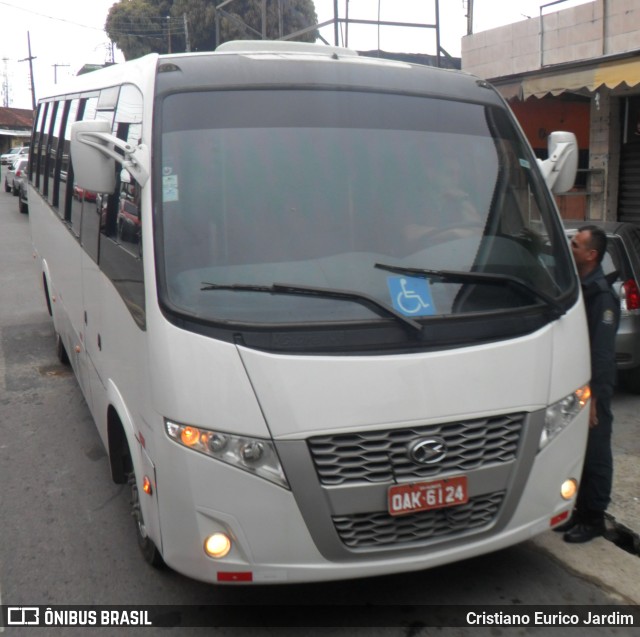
(14, 133)
(610, 74)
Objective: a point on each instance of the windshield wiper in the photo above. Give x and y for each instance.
(329, 293)
(454, 276)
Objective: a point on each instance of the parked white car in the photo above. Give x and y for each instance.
(13, 154)
(13, 174)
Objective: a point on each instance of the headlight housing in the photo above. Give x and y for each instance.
(562, 413)
(254, 455)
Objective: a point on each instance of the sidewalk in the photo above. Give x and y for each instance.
(601, 560)
(625, 501)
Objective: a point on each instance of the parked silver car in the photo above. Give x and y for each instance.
(14, 174)
(621, 265)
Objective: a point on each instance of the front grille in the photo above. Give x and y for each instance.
(382, 456)
(366, 530)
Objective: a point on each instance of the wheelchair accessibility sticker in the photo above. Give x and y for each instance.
(411, 295)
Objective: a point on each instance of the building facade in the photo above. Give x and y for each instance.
(575, 69)
(15, 127)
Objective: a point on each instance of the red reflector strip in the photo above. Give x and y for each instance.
(559, 518)
(243, 576)
(632, 294)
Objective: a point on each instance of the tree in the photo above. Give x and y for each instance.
(139, 27)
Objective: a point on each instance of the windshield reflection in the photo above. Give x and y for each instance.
(319, 205)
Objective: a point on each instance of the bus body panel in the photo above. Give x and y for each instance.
(197, 376)
(273, 542)
(306, 395)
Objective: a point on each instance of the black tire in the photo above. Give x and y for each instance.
(47, 298)
(23, 207)
(630, 380)
(149, 550)
(61, 352)
(7, 188)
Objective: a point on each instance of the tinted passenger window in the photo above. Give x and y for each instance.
(79, 194)
(53, 164)
(42, 146)
(121, 245)
(120, 219)
(66, 171)
(35, 145)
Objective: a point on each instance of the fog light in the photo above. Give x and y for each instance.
(217, 545)
(569, 489)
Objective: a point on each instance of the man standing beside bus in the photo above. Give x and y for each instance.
(603, 315)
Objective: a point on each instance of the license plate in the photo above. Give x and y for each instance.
(424, 496)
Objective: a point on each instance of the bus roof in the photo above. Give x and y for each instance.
(265, 64)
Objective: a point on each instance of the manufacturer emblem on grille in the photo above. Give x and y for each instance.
(428, 450)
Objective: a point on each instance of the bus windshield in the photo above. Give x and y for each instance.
(320, 207)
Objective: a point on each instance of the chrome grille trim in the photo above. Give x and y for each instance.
(379, 529)
(381, 456)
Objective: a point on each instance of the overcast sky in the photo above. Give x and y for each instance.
(66, 34)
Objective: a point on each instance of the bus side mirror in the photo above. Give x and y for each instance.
(94, 156)
(559, 170)
(93, 169)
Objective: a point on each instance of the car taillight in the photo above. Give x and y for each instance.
(630, 295)
(18, 172)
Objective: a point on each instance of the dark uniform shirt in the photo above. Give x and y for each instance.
(603, 317)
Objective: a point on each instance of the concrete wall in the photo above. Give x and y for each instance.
(601, 27)
(604, 157)
(587, 32)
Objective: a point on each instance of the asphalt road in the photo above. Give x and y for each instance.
(66, 535)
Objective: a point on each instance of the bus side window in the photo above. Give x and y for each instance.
(54, 152)
(66, 169)
(78, 194)
(120, 219)
(47, 143)
(128, 223)
(121, 246)
(34, 155)
(43, 140)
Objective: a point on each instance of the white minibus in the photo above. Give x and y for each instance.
(321, 308)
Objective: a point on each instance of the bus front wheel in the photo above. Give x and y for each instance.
(149, 549)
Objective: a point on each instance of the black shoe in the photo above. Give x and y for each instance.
(568, 525)
(583, 532)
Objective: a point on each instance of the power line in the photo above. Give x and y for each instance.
(159, 29)
(50, 17)
(156, 27)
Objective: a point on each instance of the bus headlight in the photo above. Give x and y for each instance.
(562, 413)
(250, 454)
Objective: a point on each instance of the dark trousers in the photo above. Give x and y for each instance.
(597, 475)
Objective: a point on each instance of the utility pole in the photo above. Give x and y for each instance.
(438, 48)
(280, 21)
(187, 42)
(111, 59)
(30, 59)
(5, 84)
(469, 16)
(169, 33)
